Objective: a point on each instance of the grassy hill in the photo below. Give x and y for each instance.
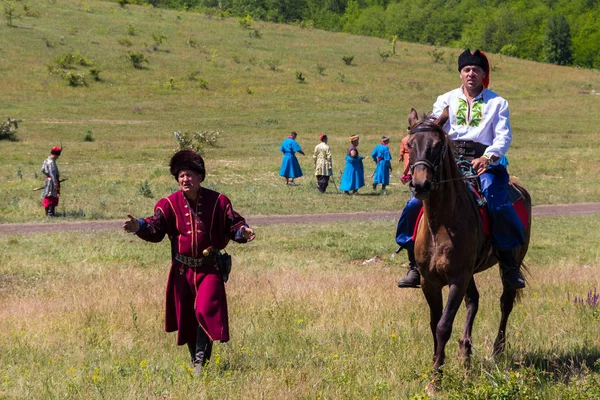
(207, 73)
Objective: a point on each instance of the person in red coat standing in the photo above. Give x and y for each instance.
(199, 223)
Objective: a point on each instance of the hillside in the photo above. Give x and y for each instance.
(213, 74)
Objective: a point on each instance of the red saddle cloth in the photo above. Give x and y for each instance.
(485, 219)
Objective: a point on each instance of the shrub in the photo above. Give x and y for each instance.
(249, 91)
(10, 12)
(131, 31)
(300, 77)
(74, 79)
(437, 55)
(196, 140)
(95, 73)
(254, 33)
(320, 69)
(145, 190)
(136, 59)
(158, 38)
(341, 77)
(384, 54)
(123, 3)
(246, 22)
(88, 136)
(125, 41)
(8, 129)
(348, 59)
(29, 12)
(272, 63)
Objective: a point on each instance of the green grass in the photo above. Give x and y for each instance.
(82, 317)
(133, 112)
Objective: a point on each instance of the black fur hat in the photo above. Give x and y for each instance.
(187, 159)
(476, 58)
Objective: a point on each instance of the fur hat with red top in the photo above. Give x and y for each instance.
(477, 58)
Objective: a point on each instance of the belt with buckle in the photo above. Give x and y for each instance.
(195, 262)
(469, 149)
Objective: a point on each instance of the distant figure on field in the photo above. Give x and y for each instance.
(290, 168)
(383, 159)
(52, 183)
(323, 164)
(199, 223)
(404, 159)
(354, 173)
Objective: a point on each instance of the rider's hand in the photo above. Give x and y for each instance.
(132, 225)
(480, 165)
(248, 234)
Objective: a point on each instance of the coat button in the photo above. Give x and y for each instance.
(189, 232)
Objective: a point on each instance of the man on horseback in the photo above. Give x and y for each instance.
(479, 126)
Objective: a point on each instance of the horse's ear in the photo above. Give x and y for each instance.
(413, 117)
(443, 118)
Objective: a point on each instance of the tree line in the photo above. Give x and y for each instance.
(563, 32)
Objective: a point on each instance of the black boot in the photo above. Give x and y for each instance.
(50, 212)
(46, 209)
(200, 351)
(509, 266)
(374, 186)
(412, 278)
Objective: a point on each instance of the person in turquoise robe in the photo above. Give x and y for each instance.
(382, 157)
(354, 173)
(290, 168)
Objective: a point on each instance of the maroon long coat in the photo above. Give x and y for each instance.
(195, 295)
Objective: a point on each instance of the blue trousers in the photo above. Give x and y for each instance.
(507, 229)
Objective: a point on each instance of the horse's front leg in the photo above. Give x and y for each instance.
(507, 301)
(444, 326)
(472, 304)
(434, 298)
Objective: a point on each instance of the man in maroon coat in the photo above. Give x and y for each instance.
(199, 223)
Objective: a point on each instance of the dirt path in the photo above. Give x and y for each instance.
(258, 220)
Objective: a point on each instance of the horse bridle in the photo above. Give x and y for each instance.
(435, 165)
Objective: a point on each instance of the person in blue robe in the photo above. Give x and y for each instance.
(290, 168)
(382, 157)
(354, 173)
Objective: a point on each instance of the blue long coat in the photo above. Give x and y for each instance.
(290, 168)
(354, 174)
(382, 156)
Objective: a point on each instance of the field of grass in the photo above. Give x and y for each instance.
(212, 74)
(82, 317)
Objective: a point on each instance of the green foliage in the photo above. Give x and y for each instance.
(30, 12)
(144, 189)
(255, 33)
(321, 69)
(95, 73)
(348, 59)
(8, 129)
(246, 22)
(137, 59)
(131, 30)
(159, 38)
(300, 77)
(125, 41)
(89, 137)
(10, 12)
(196, 141)
(437, 55)
(74, 79)
(557, 42)
(272, 63)
(384, 54)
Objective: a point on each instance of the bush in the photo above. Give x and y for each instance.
(348, 59)
(320, 69)
(136, 59)
(74, 79)
(95, 73)
(124, 41)
(8, 129)
(246, 22)
(196, 140)
(272, 63)
(300, 77)
(88, 136)
(144, 189)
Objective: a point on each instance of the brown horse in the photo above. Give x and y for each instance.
(450, 246)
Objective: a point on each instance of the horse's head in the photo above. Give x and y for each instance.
(428, 145)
